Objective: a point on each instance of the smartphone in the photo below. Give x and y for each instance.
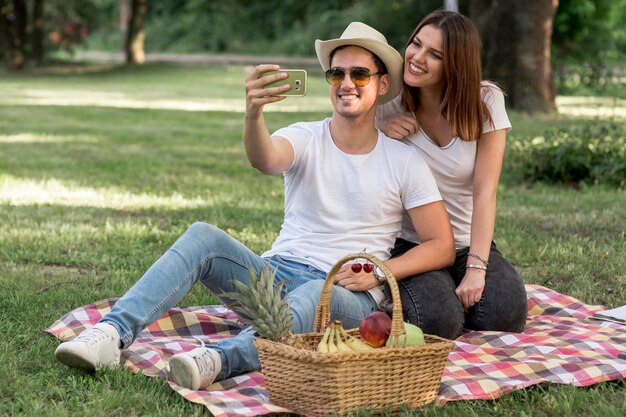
(296, 79)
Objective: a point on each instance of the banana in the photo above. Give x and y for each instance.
(332, 347)
(341, 345)
(322, 347)
(358, 345)
(355, 343)
(336, 339)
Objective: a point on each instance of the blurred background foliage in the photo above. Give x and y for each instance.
(268, 27)
(586, 38)
(588, 34)
(589, 46)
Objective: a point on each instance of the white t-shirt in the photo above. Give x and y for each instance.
(452, 165)
(337, 203)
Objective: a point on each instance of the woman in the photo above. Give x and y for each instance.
(459, 123)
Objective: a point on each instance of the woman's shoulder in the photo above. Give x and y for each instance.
(491, 93)
(390, 108)
(493, 97)
(490, 88)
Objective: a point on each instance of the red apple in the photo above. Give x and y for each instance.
(375, 328)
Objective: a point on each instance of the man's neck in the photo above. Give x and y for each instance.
(354, 135)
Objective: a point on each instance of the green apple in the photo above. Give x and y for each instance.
(414, 336)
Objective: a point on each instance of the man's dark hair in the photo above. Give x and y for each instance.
(380, 65)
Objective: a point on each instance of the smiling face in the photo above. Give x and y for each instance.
(423, 59)
(350, 100)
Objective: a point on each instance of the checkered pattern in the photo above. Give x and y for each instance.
(559, 345)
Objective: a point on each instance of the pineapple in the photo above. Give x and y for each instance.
(260, 305)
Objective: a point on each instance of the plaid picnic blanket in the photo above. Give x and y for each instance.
(560, 344)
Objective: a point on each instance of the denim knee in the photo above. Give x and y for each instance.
(349, 307)
(428, 301)
(504, 304)
(303, 302)
(209, 234)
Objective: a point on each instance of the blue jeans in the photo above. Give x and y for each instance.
(207, 254)
(428, 299)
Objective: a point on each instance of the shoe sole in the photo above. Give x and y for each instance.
(182, 372)
(73, 360)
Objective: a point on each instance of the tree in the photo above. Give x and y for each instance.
(517, 45)
(135, 36)
(38, 31)
(13, 18)
(599, 26)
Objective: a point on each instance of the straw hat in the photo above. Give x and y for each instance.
(360, 34)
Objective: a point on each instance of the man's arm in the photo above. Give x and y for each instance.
(436, 251)
(270, 155)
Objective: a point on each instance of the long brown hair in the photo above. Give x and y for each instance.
(461, 102)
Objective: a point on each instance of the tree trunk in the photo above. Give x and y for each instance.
(518, 54)
(124, 19)
(13, 27)
(481, 13)
(4, 30)
(38, 31)
(136, 35)
(20, 11)
(535, 83)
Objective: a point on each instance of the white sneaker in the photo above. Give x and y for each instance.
(93, 349)
(195, 369)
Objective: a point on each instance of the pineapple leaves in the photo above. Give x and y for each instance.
(260, 305)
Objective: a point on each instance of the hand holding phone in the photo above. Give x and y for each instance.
(296, 79)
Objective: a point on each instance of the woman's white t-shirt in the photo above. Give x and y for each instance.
(337, 204)
(452, 165)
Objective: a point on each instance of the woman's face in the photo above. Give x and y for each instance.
(423, 59)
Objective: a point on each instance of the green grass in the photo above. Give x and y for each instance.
(103, 167)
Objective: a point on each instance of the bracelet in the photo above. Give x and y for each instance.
(477, 256)
(476, 266)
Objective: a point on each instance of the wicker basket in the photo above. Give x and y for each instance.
(318, 384)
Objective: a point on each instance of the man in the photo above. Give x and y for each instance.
(347, 187)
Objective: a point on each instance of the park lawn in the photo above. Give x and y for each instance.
(103, 167)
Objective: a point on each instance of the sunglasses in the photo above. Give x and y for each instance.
(359, 76)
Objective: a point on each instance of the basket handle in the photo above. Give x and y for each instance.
(322, 314)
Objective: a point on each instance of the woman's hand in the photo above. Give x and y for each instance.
(399, 126)
(355, 281)
(470, 290)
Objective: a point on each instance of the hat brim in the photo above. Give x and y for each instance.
(392, 59)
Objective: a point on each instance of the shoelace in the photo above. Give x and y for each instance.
(93, 336)
(199, 340)
(205, 363)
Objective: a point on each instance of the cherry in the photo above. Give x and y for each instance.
(368, 268)
(356, 268)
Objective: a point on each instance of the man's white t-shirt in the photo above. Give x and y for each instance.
(337, 204)
(452, 165)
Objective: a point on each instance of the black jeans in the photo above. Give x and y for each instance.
(428, 299)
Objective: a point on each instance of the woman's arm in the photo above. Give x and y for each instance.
(398, 126)
(393, 122)
(489, 156)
